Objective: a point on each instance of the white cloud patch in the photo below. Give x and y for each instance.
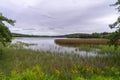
(53, 17)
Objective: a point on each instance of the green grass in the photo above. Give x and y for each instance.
(35, 73)
(101, 49)
(17, 63)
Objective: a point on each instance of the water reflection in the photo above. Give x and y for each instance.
(48, 44)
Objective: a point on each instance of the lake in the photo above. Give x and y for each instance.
(48, 44)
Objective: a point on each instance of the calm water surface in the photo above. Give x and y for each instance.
(48, 44)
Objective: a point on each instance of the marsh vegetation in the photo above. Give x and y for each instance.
(20, 63)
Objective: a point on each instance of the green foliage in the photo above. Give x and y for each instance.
(93, 35)
(116, 35)
(26, 64)
(17, 65)
(35, 73)
(101, 49)
(5, 34)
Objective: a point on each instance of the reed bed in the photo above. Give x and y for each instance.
(82, 41)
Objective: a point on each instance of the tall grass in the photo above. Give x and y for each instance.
(18, 63)
(82, 41)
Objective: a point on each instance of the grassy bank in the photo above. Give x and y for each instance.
(17, 63)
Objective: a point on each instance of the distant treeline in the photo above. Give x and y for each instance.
(74, 35)
(23, 35)
(93, 35)
(27, 35)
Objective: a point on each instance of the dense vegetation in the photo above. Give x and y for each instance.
(73, 42)
(18, 63)
(93, 35)
(116, 25)
(5, 34)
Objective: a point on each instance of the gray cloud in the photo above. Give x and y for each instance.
(53, 17)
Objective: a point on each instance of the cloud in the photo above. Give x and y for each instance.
(55, 17)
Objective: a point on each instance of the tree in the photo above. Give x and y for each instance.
(5, 34)
(115, 36)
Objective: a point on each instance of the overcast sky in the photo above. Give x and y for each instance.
(54, 17)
